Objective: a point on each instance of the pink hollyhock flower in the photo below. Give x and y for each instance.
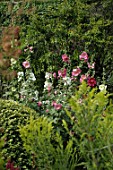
(83, 77)
(31, 49)
(54, 75)
(91, 82)
(25, 50)
(76, 72)
(26, 64)
(65, 58)
(91, 66)
(62, 73)
(39, 103)
(84, 56)
(58, 106)
(49, 88)
(53, 103)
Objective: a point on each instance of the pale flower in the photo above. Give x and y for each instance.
(20, 75)
(32, 76)
(26, 64)
(48, 75)
(47, 85)
(67, 81)
(102, 87)
(13, 61)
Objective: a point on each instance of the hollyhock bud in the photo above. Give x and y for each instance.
(26, 64)
(84, 56)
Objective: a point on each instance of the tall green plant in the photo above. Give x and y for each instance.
(92, 127)
(47, 146)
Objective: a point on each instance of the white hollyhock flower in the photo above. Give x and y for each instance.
(48, 75)
(67, 81)
(47, 84)
(13, 61)
(32, 77)
(102, 87)
(20, 75)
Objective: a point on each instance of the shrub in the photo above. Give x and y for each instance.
(1, 158)
(47, 146)
(92, 127)
(13, 114)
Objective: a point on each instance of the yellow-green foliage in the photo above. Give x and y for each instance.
(47, 146)
(13, 114)
(92, 120)
(1, 158)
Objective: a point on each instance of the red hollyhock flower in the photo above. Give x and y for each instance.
(91, 82)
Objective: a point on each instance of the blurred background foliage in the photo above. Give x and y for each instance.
(63, 26)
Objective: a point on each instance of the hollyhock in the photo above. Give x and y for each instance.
(83, 77)
(49, 88)
(31, 49)
(65, 58)
(84, 56)
(58, 106)
(62, 73)
(54, 75)
(47, 84)
(91, 66)
(39, 103)
(53, 103)
(48, 75)
(76, 72)
(67, 81)
(102, 87)
(26, 64)
(91, 82)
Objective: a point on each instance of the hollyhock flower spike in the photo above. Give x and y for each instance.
(91, 81)
(65, 58)
(26, 64)
(76, 72)
(84, 56)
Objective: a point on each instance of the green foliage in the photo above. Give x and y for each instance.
(64, 26)
(92, 127)
(13, 114)
(47, 146)
(1, 158)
